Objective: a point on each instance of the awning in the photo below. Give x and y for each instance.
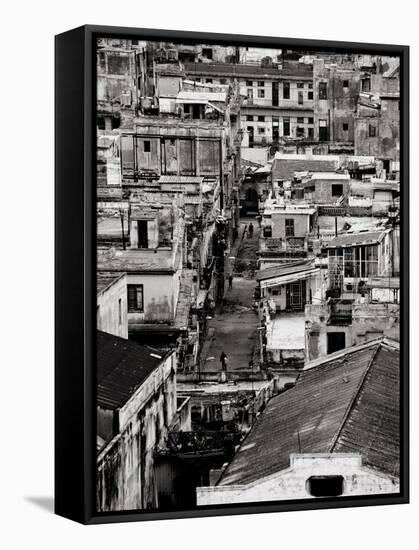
(289, 278)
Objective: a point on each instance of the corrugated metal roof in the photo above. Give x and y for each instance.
(347, 402)
(284, 269)
(354, 239)
(122, 366)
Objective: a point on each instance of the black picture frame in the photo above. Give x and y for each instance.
(75, 275)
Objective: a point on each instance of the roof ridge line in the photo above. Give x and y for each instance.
(354, 399)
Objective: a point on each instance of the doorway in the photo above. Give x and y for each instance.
(142, 232)
(296, 296)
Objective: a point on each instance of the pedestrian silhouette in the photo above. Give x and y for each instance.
(230, 281)
(223, 361)
(250, 230)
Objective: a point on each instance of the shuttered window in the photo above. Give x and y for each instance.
(135, 298)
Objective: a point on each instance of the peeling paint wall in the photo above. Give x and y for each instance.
(112, 316)
(125, 467)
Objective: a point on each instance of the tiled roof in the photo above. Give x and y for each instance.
(122, 367)
(354, 239)
(347, 402)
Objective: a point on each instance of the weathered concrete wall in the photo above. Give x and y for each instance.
(112, 316)
(293, 482)
(160, 292)
(125, 467)
(301, 224)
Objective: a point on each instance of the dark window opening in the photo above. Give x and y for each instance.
(267, 231)
(310, 120)
(261, 118)
(345, 126)
(135, 298)
(346, 83)
(325, 486)
(249, 118)
(208, 80)
(310, 95)
(223, 81)
(300, 98)
(249, 83)
(335, 341)
(337, 190)
(261, 93)
(289, 228)
(147, 147)
(310, 132)
(372, 131)
(366, 84)
(300, 120)
(286, 90)
(300, 84)
(142, 234)
(261, 83)
(322, 90)
(207, 52)
(286, 126)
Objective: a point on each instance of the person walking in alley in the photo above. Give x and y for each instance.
(223, 361)
(230, 281)
(250, 234)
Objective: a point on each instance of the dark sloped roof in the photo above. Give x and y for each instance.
(353, 239)
(122, 367)
(348, 402)
(284, 269)
(105, 279)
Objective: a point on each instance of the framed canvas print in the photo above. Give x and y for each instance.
(231, 274)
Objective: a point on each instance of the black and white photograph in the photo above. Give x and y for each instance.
(248, 275)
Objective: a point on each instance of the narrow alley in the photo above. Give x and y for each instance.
(234, 328)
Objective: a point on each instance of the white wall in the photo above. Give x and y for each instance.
(27, 489)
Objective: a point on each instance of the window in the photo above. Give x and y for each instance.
(208, 80)
(286, 90)
(310, 132)
(300, 120)
(223, 81)
(322, 90)
(261, 118)
(267, 231)
(325, 486)
(261, 130)
(249, 83)
(261, 83)
(249, 118)
(286, 126)
(300, 98)
(310, 85)
(310, 95)
(300, 84)
(249, 93)
(300, 131)
(372, 131)
(261, 93)
(120, 311)
(345, 126)
(135, 299)
(337, 190)
(207, 52)
(310, 120)
(147, 147)
(345, 83)
(289, 227)
(366, 84)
